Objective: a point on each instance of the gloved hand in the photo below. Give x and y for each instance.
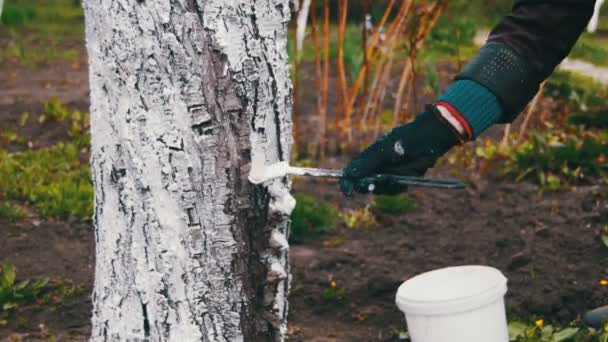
(408, 150)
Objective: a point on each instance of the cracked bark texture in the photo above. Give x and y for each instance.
(184, 95)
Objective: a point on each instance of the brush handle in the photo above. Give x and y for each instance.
(419, 181)
(402, 180)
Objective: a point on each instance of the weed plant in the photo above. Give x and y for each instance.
(394, 205)
(311, 218)
(554, 160)
(13, 293)
(538, 331)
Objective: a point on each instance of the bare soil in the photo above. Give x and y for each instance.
(547, 244)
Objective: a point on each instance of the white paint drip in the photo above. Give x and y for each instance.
(276, 272)
(282, 202)
(278, 241)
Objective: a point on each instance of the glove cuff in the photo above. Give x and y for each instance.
(473, 102)
(506, 74)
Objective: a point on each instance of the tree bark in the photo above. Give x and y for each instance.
(184, 95)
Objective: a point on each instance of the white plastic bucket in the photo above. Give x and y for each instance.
(457, 304)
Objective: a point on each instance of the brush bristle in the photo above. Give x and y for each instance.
(261, 173)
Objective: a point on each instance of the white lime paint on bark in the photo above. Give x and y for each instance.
(184, 94)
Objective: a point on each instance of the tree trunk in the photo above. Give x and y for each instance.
(184, 94)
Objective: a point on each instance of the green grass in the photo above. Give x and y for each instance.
(53, 180)
(591, 48)
(39, 30)
(311, 218)
(11, 212)
(394, 205)
(554, 159)
(576, 89)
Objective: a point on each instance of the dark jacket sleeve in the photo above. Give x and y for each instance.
(525, 47)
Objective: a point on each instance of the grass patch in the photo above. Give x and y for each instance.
(11, 212)
(394, 205)
(39, 30)
(52, 179)
(592, 49)
(311, 218)
(576, 89)
(555, 160)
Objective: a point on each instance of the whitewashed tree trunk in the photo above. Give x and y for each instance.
(184, 94)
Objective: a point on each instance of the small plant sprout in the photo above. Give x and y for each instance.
(333, 292)
(359, 218)
(605, 235)
(24, 119)
(311, 218)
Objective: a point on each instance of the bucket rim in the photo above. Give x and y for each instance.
(492, 293)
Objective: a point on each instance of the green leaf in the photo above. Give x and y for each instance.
(516, 329)
(8, 275)
(22, 285)
(605, 240)
(546, 332)
(565, 334)
(24, 118)
(9, 306)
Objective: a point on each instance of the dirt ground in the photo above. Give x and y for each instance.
(548, 245)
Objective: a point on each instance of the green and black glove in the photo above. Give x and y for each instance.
(408, 150)
(411, 149)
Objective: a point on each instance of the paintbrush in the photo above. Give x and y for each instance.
(261, 173)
